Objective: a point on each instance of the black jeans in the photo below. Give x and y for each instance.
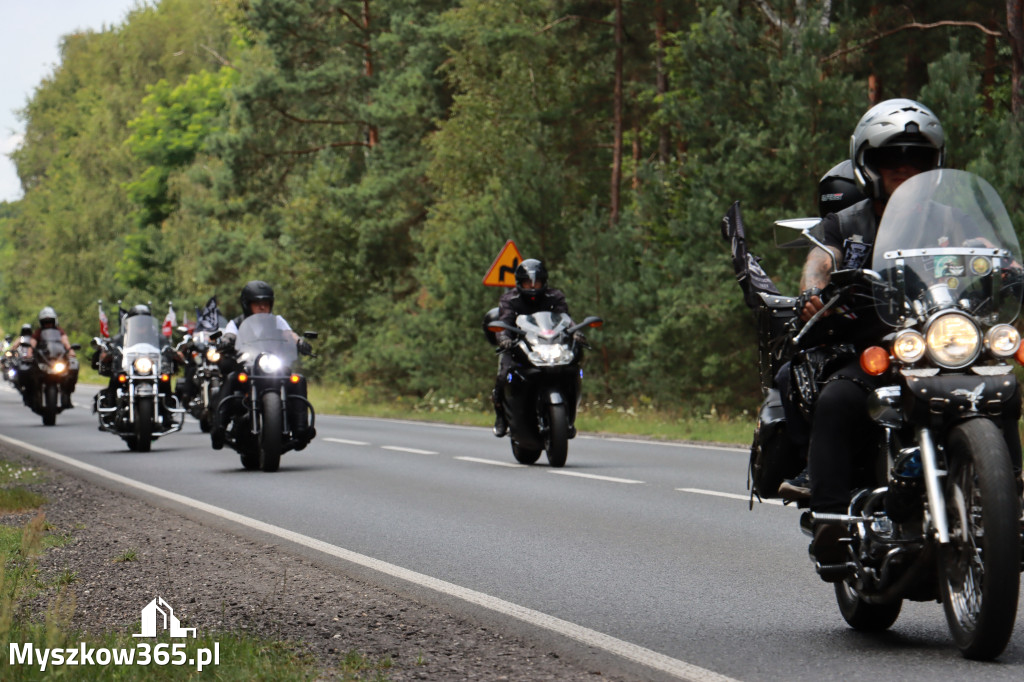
(843, 436)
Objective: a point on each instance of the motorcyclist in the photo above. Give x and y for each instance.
(48, 320)
(891, 143)
(257, 297)
(837, 189)
(530, 295)
(22, 378)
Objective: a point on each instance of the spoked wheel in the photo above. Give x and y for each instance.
(556, 441)
(862, 615)
(979, 571)
(143, 439)
(50, 405)
(272, 432)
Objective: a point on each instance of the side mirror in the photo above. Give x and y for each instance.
(591, 321)
(76, 346)
(214, 336)
(310, 335)
(499, 326)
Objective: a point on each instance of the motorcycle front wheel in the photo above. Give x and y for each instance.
(271, 432)
(50, 405)
(524, 455)
(142, 440)
(556, 442)
(979, 570)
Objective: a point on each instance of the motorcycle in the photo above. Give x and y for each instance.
(270, 417)
(542, 390)
(138, 406)
(18, 365)
(936, 510)
(202, 379)
(52, 369)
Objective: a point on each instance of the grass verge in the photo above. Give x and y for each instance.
(35, 647)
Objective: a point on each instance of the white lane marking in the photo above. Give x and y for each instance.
(414, 451)
(732, 496)
(492, 461)
(345, 442)
(618, 647)
(672, 444)
(595, 477)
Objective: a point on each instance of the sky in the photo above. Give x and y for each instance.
(30, 33)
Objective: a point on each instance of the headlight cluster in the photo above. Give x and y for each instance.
(954, 341)
(270, 364)
(550, 354)
(143, 365)
(212, 354)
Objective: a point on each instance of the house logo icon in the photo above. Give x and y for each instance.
(159, 612)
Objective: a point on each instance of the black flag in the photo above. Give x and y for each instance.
(751, 277)
(208, 319)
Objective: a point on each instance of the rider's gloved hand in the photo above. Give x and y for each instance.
(226, 343)
(304, 347)
(505, 343)
(808, 303)
(579, 339)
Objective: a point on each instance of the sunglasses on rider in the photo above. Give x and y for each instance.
(921, 158)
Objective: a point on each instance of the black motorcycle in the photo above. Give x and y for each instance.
(138, 405)
(269, 417)
(53, 371)
(18, 367)
(542, 390)
(936, 511)
(202, 380)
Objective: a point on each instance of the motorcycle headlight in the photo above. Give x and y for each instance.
(953, 341)
(143, 365)
(269, 363)
(212, 354)
(909, 346)
(59, 367)
(1002, 340)
(552, 354)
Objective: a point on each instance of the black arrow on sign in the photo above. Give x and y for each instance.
(509, 269)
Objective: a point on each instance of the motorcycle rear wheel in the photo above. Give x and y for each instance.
(49, 405)
(862, 615)
(979, 570)
(524, 455)
(271, 432)
(556, 442)
(143, 438)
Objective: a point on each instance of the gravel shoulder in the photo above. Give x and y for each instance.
(218, 580)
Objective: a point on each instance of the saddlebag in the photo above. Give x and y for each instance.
(773, 458)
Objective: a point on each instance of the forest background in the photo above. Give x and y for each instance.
(369, 159)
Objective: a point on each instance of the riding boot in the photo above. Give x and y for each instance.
(500, 423)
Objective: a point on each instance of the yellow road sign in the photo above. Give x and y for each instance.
(502, 271)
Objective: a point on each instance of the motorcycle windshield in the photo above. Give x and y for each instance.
(259, 334)
(50, 344)
(543, 328)
(141, 329)
(945, 240)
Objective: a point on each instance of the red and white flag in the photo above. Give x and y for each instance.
(104, 324)
(170, 321)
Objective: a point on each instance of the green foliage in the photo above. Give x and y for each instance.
(371, 165)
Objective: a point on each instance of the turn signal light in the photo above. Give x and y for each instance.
(243, 377)
(122, 378)
(874, 360)
(295, 378)
(1020, 354)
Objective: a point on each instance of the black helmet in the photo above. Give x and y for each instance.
(531, 271)
(256, 290)
(837, 189)
(140, 309)
(26, 329)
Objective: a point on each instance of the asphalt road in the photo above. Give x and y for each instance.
(649, 543)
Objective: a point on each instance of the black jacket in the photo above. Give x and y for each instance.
(513, 304)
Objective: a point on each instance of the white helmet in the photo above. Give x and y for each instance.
(48, 313)
(905, 127)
